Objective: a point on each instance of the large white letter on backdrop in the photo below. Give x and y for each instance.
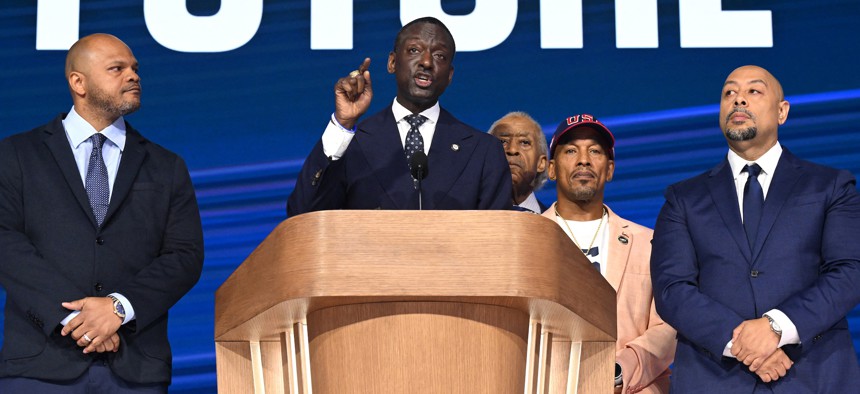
(331, 24)
(560, 24)
(636, 24)
(704, 24)
(170, 24)
(489, 24)
(57, 24)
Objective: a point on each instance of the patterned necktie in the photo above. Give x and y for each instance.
(98, 189)
(753, 202)
(414, 141)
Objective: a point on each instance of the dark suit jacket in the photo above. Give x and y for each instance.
(467, 169)
(149, 249)
(805, 262)
(543, 207)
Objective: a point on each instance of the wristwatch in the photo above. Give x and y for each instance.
(774, 326)
(118, 309)
(618, 379)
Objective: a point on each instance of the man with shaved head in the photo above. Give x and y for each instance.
(99, 236)
(754, 261)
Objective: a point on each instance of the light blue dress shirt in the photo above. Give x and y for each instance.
(78, 132)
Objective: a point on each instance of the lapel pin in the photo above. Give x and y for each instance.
(623, 239)
(455, 147)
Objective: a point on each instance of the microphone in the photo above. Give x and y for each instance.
(418, 164)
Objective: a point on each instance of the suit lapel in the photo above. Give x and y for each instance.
(58, 145)
(725, 197)
(132, 158)
(450, 152)
(618, 252)
(784, 178)
(380, 142)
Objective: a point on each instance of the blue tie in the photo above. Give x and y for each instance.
(414, 141)
(98, 189)
(753, 202)
(522, 209)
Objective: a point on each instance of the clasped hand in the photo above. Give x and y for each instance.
(95, 327)
(756, 345)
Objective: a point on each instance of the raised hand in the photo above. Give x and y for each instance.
(352, 95)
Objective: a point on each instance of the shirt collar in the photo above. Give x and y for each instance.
(400, 112)
(79, 130)
(531, 203)
(767, 161)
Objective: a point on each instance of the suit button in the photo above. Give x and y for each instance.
(816, 339)
(754, 274)
(100, 241)
(99, 287)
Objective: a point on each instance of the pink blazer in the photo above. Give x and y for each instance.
(645, 344)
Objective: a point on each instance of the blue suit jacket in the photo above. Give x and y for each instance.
(149, 249)
(467, 169)
(707, 279)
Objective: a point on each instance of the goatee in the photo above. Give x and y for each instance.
(741, 134)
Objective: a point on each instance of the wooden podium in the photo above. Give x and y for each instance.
(415, 302)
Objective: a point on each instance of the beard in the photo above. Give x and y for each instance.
(582, 193)
(742, 134)
(104, 102)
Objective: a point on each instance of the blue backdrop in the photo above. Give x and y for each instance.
(244, 119)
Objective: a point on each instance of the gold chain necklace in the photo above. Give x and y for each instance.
(571, 231)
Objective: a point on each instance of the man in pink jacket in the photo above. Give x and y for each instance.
(582, 157)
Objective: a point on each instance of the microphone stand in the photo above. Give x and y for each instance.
(420, 176)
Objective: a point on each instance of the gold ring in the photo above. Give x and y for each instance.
(354, 73)
(86, 338)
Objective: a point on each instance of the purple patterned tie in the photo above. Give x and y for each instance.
(98, 189)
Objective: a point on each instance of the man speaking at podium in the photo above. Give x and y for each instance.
(367, 166)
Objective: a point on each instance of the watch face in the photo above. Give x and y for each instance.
(118, 308)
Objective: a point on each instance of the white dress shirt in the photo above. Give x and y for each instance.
(767, 162)
(531, 203)
(336, 138)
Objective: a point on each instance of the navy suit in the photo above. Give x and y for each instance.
(707, 279)
(467, 169)
(149, 249)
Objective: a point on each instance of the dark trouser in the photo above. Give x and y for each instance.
(97, 379)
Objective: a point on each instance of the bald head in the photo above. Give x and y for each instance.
(102, 75)
(765, 76)
(752, 108)
(78, 57)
